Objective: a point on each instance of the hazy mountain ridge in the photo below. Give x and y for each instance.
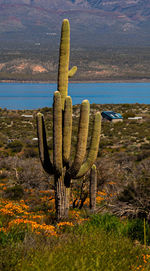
(93, 22)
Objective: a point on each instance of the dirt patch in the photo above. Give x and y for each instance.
(22, 66)
(1, 65)
(38, 68)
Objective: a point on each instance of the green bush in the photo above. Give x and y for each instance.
(135, 230)
(107, 222)
(15, 146)
(132, 228)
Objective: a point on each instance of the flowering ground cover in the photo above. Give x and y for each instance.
(32, 240)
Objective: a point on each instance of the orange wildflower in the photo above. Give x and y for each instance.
(48, 230)
(61, 224)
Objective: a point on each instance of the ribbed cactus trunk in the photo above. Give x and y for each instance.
(62, 196)
(62, 132)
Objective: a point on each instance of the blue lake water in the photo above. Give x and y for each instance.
(38, 95)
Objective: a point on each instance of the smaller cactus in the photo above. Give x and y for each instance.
(93, 188)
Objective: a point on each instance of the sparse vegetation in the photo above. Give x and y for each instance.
(27, 198)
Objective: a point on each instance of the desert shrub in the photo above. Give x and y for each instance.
(128, 194)
(15, 146)
(132, 202)
(128, 114)
(26, 171)
(105, 142)
(1, 144)
(145, 146)
(3, 154)
(31, 143)
(133, 198)
(31, 174)
(3, 175)
(3, 139)
(45, 110)
(143, 155)
(30, 152)
(15, 192)
(134, 229)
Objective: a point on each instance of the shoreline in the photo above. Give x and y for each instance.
(80, 82)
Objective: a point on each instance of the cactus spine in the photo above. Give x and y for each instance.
(62, 131)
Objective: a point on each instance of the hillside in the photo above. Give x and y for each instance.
(41, 64)
(93, 22)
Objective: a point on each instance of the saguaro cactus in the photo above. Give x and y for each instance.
(62, 131)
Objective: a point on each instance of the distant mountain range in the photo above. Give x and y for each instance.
(94, 23)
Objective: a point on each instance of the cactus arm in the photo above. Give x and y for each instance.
(81, 141)
(67, 130)
(42, 142)
(57, 133)
(64, 61)
(72, 71)
(93, 147)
